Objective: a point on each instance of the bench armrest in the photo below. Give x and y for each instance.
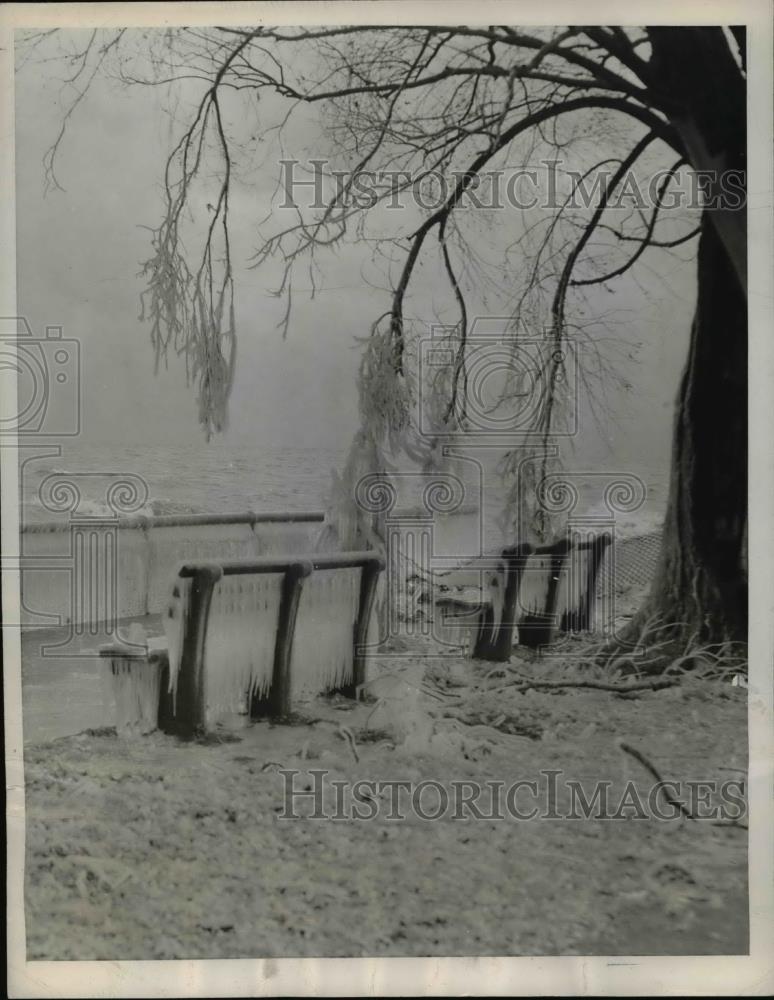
(155, 649)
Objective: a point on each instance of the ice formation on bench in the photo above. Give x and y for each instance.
(133, 687)
(173, 544)
(573, 582)
(535, 582)
(322, 655)
(174, 624)
(240, 642)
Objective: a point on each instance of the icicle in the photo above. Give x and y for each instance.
(171, 545)
(573, 587)
(323, 642)
(241, 635)
(581, 561)
(134, 684)
(174, 622)
(533, 592)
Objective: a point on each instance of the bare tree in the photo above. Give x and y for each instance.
(428, 101)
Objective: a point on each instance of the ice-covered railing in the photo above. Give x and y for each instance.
(140, 554)
(251, 634)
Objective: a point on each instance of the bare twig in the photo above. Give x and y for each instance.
(651, 769)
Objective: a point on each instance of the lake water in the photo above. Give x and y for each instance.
(222, 477)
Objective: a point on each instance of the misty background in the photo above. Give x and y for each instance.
(79, 252)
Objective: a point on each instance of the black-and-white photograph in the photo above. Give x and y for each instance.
(380, 449)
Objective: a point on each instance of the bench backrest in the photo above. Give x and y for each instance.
(538, 590)
(575, 599)
(332, 625)
(232, 627)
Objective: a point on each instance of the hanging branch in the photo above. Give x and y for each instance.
(417, 99)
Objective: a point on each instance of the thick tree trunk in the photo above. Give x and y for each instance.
(700, 585)
(703, 92)
(701, 580)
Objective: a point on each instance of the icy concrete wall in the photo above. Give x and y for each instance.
(86, 571)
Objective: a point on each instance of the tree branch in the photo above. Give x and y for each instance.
(646, 241)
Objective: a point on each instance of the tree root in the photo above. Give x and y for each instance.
(679, 648)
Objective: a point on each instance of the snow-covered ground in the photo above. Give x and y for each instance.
(154, 848)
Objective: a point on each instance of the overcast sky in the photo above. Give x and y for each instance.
(79, 253)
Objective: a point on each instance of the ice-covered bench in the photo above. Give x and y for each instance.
(249, 634)
(530, 593)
